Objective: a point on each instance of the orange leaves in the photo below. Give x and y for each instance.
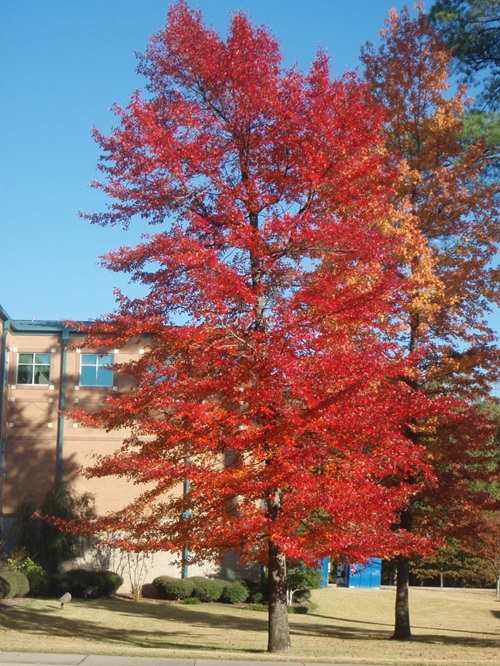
(443, 210)
(450, 241)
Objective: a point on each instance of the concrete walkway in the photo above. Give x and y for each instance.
(32, 658)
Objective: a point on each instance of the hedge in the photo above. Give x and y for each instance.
(207, 589)
(174, 588)
(13, 584)
(111, 582)
(86, 584)
(201, 589)
(235, 593)
(39, 582)
(38, 578)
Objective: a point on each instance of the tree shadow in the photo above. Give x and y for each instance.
(414, 626)
(468, 638)
(181, 622)
(53, 622)
(186, 614)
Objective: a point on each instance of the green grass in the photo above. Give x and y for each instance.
(450, 627)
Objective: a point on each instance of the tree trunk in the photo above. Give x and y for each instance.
(402, 630)
(279, 632)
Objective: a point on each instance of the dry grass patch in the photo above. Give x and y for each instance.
(452, 627)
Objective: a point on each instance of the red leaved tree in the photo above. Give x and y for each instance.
(269, 380)
(451, 210)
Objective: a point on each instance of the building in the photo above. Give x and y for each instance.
(43, 374)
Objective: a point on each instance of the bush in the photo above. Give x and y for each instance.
(257, 597)
(207, 589)
(13, 584)
(111, 582)
(302, 596)
(301, 579)
(86, 584)
(173, 588)
(37, 577)
(234, 593)
(257, 591)
(43, 542)
(58, 585)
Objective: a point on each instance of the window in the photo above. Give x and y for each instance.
(96, 370)
(33, 369)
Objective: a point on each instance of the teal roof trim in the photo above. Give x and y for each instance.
(38, 326)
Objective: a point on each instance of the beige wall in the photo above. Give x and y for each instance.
(81, 444)
(32, 423)
(32, 426)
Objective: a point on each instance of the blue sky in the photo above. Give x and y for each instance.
(64, 63)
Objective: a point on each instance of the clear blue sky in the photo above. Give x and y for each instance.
(63, 64)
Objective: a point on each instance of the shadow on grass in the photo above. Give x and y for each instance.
(50, 621)
(181, 624)
(390, 628)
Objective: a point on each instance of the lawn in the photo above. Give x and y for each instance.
(455, 627)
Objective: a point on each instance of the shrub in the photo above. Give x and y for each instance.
(302, 596)
(111, 582)
(207, 589)
(301, 579)
(43, 542)
(37, 577)
(59, 584)
(13, 584)
(235, 593)
(83, 583)
(39, 582)
(257, 591)
(191, 601)
(257, 597)
(173, 588)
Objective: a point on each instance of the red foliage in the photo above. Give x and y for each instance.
(270, 381)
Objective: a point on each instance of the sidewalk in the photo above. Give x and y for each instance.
(34, 659)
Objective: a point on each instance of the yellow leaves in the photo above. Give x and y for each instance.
(427, 288)
(417, 260)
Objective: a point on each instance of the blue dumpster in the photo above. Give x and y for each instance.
(325, 567)
(360, 575)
